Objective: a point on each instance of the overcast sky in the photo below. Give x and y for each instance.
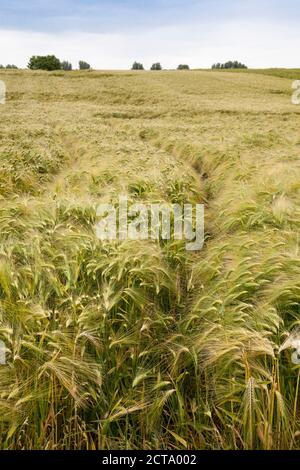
(112, 34)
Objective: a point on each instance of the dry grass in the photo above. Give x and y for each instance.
(141, 345)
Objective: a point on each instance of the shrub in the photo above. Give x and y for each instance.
(49, 62)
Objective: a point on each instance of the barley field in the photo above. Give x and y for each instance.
(142, 344)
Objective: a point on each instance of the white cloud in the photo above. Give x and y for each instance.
(258, 45)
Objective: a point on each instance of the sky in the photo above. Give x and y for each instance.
(113, 34)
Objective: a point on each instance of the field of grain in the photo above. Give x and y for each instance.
(141, 344)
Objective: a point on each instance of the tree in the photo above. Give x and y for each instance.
(137, 66)
(48, 62)
(65, 65)
(84, 65)
(156, 66)
(183, 67)
(229, 65)
(11, 66)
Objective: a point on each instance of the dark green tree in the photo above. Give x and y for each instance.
(65, 65)
(229, 65)
(48, 62)
(137, 66)
(84, 65)
(183, 67)
(156, 66)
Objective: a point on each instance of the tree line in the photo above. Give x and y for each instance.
(157, 66)
(9, 66)
(51, 62)
(229, 65)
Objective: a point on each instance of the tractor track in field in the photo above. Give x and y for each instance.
(74, 149)
(195, 167)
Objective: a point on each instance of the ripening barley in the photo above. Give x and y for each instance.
(141, 344)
